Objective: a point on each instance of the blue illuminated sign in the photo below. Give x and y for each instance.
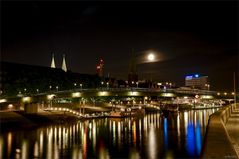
(189, 77)
(196, 75)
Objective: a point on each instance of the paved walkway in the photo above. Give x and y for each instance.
(232, 127)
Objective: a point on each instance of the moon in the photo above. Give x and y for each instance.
(151, 57)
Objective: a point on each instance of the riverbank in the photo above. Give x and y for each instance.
(222, 139)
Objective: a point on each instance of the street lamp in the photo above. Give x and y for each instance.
(208, 86)
(107, 85)
(37, 90)
(102, 84)
(57, 88)
(81, 86)
(137, 83)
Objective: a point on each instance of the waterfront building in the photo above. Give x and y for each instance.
(196, 81)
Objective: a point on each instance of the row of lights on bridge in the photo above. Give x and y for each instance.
(50, 87)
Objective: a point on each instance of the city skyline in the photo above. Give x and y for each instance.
(187, 37)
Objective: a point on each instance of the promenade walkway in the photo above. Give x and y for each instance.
(232, 127)
(222, 136)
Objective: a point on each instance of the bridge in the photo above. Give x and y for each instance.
(80, 96)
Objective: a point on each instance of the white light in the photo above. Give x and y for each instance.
(3, 100)
(76, 94)
(151, 57)
(167, 94)
(206, 97)
(26, 99)
(133, 93)
(50, 97)
(10, 106)
(104, 93)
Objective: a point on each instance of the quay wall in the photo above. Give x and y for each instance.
(217, 143)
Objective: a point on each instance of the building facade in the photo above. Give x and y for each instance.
(196, 81)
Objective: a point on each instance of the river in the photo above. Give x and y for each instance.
(176, 135)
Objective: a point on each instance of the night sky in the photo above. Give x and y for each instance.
(187, 37)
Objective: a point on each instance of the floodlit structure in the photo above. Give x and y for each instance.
(53, 62)
(63, 67)
(196, 81)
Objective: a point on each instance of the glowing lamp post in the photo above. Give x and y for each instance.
(102, 83)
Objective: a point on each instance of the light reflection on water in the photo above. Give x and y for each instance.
(154, 136)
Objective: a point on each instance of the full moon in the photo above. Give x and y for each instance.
(151, 57)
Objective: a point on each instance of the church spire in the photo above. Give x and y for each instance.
(53, 62)
(64, 68)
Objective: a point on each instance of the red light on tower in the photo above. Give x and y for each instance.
(100, 67)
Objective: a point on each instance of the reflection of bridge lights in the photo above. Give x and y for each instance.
(152, 144)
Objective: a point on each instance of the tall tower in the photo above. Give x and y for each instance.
(132, 76)
(63, 67)
(53, 62)
(100, 68)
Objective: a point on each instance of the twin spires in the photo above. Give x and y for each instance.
(63, 67)
(53, 62)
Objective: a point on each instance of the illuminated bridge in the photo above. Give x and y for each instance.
(109, 94)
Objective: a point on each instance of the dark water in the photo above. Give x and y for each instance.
(178, 135)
